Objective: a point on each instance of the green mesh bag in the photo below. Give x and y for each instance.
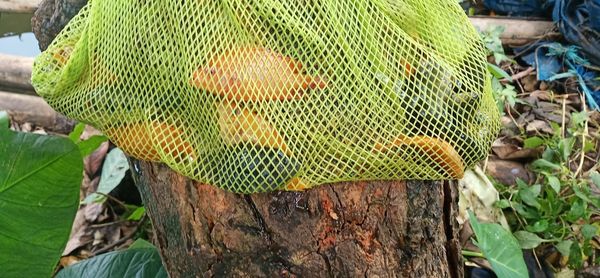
(262, 95)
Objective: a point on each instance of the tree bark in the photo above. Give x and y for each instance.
(370, 229)
(367, 229)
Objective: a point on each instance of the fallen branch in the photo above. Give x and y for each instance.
(517, 31)
(35, 110)
(19, 6)
(15, 72)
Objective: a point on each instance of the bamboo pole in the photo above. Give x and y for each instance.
(19, 6)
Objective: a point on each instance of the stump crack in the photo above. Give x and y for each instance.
(260, 220)
(341, 210)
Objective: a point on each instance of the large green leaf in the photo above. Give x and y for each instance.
(40, 177)
(136, 262)
(500, 248)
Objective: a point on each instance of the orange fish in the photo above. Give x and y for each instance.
(100, 73)
(138, 141)
(62, 55)
(254, 74)
(296, 184)
(438, 150)
(238, 125)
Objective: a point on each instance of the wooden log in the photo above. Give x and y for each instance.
(35, 110)
(366, 229)
(15, 72)
(517, 31)
(19, 6)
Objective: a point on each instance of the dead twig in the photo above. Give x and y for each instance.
(121, 240)
(519, 75)
(583, 136)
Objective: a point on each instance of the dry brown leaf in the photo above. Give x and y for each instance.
(98, 237)
(93, 162)
(539, 127)
(88, 132)
(93, 211)
(465, 234)
(40, 131)
(69, 260)
(525, 118)
(77, 233)
(530, 83)
(89, 186)
(510, 151)
(26, 127)
(112, 233)
(538, 95)
(509, 128)
(550, 112)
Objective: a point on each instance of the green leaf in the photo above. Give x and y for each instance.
(554, 183)
(543, 164)
(564, 247)
(578, 118)
(589, 231)
(141, 243)
(595, 176)
(137, 214)
(529, 195)
(526, 212)
(498, 72)
(113, 171)
(500, 248)
(91, 144)
(533, 142)
(136, 262)
(4, 120)
(76, 133)
(39, 195)
(502, 204)
(577, 211)
(538, 226)
(566, 146)
(588, 146)
(528, 240)
(509, 95)
(583, 193)
(575, 256)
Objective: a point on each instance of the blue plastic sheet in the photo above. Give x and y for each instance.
(579, 22)
(556, 61)
(538, 8)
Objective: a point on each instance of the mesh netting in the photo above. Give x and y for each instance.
(261, 95)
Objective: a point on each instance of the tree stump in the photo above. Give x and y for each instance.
(370, 229)
(367, 229)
